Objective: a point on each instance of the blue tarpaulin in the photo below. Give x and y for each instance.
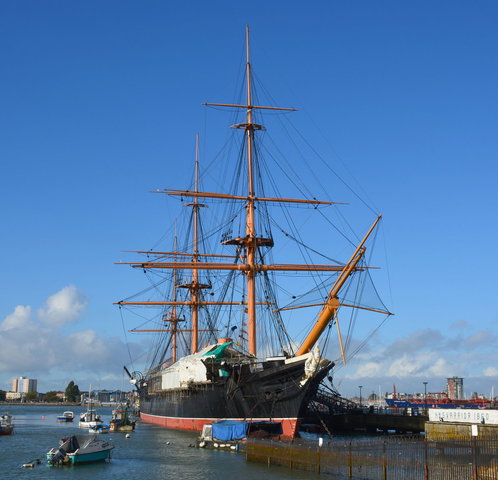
(229, 430)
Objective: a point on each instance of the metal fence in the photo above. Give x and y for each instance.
(385, 458)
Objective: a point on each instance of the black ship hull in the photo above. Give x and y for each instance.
(276, 391)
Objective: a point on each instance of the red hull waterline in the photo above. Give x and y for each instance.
(289, 425)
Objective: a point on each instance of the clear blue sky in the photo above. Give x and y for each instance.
(100, 101)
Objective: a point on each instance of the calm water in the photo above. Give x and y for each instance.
(144, 456)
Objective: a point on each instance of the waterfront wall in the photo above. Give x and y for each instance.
(385, 458)
(457, 430)
(464, 415)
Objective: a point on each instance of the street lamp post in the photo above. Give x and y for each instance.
(425, 396)
(360, 387)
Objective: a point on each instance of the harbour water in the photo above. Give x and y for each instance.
(146, 455)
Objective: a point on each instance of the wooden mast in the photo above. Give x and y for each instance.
(250, 224)
(194, 291)
(174, 320)
(194, 286)
(251, 241)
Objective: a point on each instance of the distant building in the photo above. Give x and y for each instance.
(106, 396)
(454, 388)
(24, 385)
(13, 396)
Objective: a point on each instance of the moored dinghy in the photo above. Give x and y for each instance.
(229, 434)
(79, 449)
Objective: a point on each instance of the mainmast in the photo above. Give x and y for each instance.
(250, 224)
(251, 242)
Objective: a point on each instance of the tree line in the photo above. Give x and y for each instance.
(71, 394)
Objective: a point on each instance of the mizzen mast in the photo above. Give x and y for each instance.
(173, 320)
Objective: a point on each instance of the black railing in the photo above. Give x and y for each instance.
(385, 458)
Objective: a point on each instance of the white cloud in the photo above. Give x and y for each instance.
(22, 342)
(18, 319)
(421, 355)
(39, 347)
(441, 368)
(369, 369)
(63, 307)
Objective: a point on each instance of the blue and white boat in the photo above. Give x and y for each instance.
(80, 449)
(100, 428)
(65, 417)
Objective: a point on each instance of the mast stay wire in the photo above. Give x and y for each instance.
(290, 221)
(371, 208)
(302, 187)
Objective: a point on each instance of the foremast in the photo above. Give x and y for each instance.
(195, 286)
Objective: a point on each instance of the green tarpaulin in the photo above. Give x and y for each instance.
(218, 351)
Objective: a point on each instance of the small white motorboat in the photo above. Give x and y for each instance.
(90, 418)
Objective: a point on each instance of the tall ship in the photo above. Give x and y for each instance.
(240, 333)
